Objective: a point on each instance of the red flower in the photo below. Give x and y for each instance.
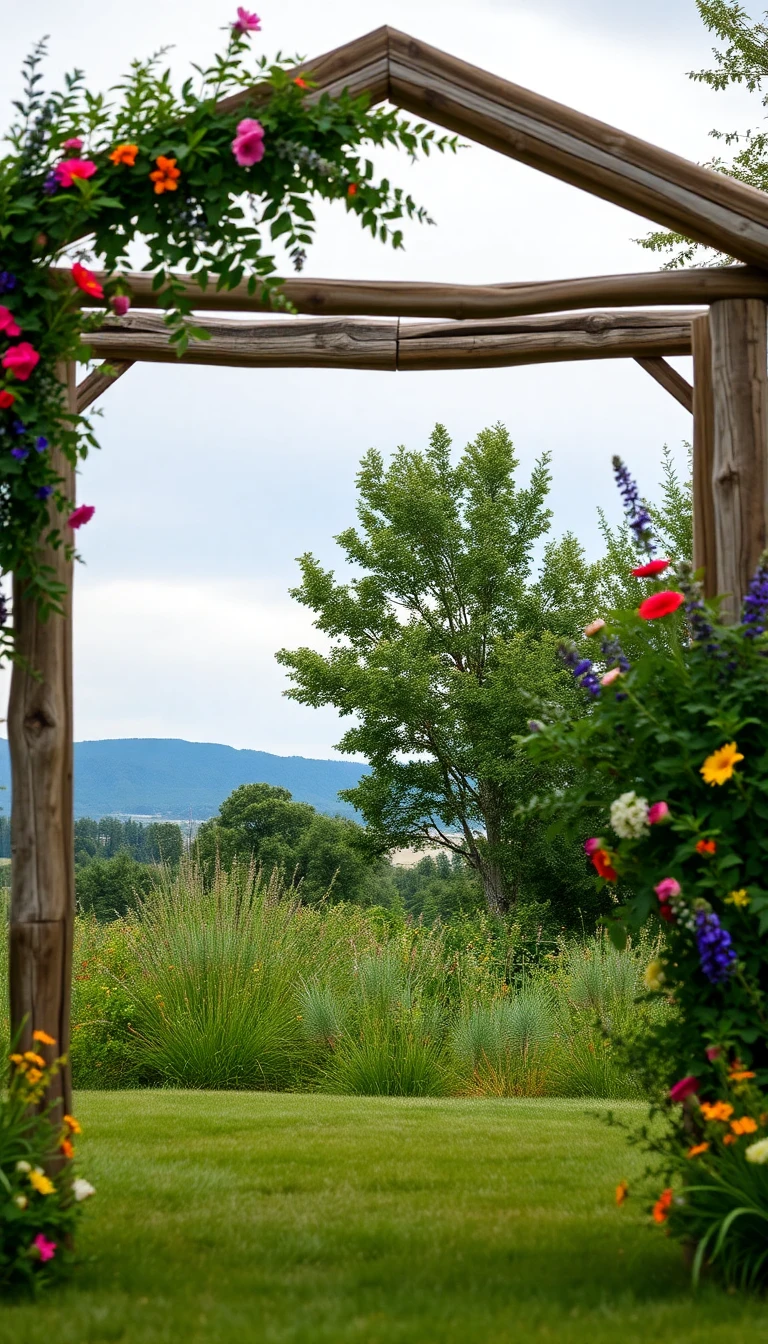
(650, 570)
(6, 399)
(706, 847)
(82, 514)
(20, 360)
(660, 604)
(87, 281)
(602, 862)
(300, 83)
(661, 1206)
(667, 913)
(352, 189)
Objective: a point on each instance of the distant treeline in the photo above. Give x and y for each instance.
(156, 842)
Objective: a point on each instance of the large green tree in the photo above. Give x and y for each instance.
(443, 647)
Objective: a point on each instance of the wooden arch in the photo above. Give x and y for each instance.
(361, 324)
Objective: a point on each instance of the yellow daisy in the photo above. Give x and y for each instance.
(720, 765)
(739, 898)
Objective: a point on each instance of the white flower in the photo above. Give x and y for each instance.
(629, 816)
(757, 1152)
(23, 1166)
(82, 1189)
(20, 1201)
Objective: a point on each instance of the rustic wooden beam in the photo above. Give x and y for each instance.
(709, 207)
(740, 465)
(704, 543)
(387, 298)
(98, 382)
(360, 66)
(669, 378)
(42, 830)
(357, 344)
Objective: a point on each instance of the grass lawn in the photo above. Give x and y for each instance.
(327, 1220)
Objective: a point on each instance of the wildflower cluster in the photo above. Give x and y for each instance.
(207, 186)
(40, 1194)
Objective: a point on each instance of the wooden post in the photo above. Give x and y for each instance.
(704, 547)
(42, 833)
(739, 467)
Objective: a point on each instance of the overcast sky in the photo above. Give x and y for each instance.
(211, 482)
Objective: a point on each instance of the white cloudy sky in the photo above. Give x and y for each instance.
(210, 482)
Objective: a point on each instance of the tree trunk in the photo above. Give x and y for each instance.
(42, 832)
(495, 887)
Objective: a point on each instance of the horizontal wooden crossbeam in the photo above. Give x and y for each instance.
(388, 298)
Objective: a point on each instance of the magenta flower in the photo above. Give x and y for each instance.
(69, 169)
(75, 144)
(248, 144)
(20, 360)
(591, 846)
(120, 305)
(687, 1087)
(667, 888)
(82, 514)
(246, 22)
(7, 324)
(45, 1249)
(713, 1052)
(657, 812)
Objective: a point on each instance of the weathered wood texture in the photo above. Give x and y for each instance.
(97, 382)
(387, 298)
(704, 544)
(42, 839)
(740, 468)
(356, 343)
(361, 66)
(669, 378)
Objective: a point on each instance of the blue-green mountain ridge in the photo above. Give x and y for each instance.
(170, 778)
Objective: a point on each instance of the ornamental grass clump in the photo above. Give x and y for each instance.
(674, 753)
(41, 1195)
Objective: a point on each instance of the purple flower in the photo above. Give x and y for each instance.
(715, 948)
(19, 453)
(18, 427)
(7, 282)
(3, 608)
(695, 609)
(580, 668)
(41, 444)
(637, 514)
(613, 653)
(51, 183)
(755, 610)
(44, 491)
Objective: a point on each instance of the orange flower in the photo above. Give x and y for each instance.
(300, 83)
(43, 1038)
(746, 1125)
(705, 847)
(697, 1150)
(716, 1110)
(729, 1138)
(72, 1124)
(34, 1059)
(34, 1076)
(661, 1207)
(622, 1191)
(67, 1148)
(125, 154)
(16, 1059)
(165, 176)
(740, 1075)
(352, 189)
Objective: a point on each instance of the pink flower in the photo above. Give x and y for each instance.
(687, 1087)
(7, 323)
(650, 570)
(713, 1052)
(591, 846)
(20, 360)
(668, 887)
(75, 143)
(657, 812)
(45, 1249)
(594, 626)
(120, 305)
(82, 514)
(246, 22)
(248, 144)
(609, 677)
(69, 169)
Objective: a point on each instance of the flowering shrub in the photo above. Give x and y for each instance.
(40, 1194)
(677, 738)
(204, 186)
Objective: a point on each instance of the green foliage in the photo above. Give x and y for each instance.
(442, 649)
(261, 823)
(742, 61)
(157, 842)
(109, 888)
(218, 220)
(436, 888)
(103, 1049)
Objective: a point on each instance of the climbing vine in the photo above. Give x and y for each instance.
(206, 180)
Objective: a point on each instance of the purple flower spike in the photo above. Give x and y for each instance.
(637, 515)
(755, 611)
(715, 948)
(580, 668)
(51, 183)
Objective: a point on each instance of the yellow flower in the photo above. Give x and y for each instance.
(40, 1182)
(16, 1059)
(739, 898)
(34, 1076)
(43, 1038)
(719, 766)
(653, 977)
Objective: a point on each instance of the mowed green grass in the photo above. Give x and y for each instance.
(272, 1217)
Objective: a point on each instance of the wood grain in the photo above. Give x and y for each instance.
(704, 537)
(42, 838)
(669, 378)
(740, 470)
(98, 382)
